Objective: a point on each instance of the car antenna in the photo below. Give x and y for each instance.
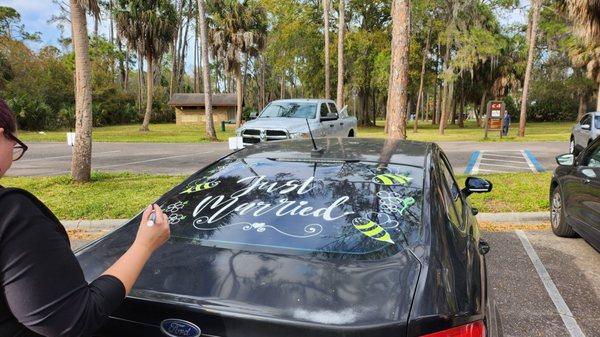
(316, 151)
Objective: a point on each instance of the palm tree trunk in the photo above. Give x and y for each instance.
(420, 94)
(149, 94)
(126, 66)
(445, 94)
(263, 69)
(326, 31)
(210, 124)
(461, 116)
(340, 83)
(482, 108)
(598, 98)
(81, 163)
(239, 88)
(582, 107)
(398, 91)
(140, 65)
(534, 23)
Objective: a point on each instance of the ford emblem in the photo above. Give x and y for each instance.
(179, 328)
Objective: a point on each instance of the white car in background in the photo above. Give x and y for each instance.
(585, 132)
(290, 118)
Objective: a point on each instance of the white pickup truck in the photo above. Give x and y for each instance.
(286, 119)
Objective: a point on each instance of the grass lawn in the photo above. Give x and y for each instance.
(171, 133)
(514, 192)
(159, 133)
(122, 195)
(547, 131)
(108, 196)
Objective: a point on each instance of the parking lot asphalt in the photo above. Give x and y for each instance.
(526, 305)
(45, 159)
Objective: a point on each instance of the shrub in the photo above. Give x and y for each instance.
(33, 113)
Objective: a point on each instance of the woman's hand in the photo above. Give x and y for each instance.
(152, 237)
(148, 239)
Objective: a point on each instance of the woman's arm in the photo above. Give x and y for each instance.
(42, 282)
(148, 239)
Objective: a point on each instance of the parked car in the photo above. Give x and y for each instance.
(584, 132)
(575, 195)
(287, 119)
(362, 238)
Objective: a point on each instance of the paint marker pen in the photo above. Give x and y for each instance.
(151, 220)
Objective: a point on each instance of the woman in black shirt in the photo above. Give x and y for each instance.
(43, 290)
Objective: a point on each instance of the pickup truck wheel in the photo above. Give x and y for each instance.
(351, 134)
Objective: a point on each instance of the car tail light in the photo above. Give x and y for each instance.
(475, 329)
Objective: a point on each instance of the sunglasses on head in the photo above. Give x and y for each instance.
(19, 149)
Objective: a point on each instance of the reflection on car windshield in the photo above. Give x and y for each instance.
(263, 205)
(290, 110)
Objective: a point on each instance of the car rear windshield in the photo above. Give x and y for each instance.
(298, 206)
(290, 110)
(597, 121)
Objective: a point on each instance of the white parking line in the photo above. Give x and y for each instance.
(502, 160)
(69, 156)
(531, 166)
(502, 155)
(509, 166)
(151, 160)
(561, 306)
(492, 171)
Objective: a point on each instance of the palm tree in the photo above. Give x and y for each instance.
(210, 125)
(588, 58)
(326, 33)
(149, 27)
(586, 23)
(586, 16)
(398, 90)
(420, 93)
(536, 4)
(239, 29)
(81, 163)
(341, 28)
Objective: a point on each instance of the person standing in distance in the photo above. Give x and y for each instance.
(43, 289)
(505, 124)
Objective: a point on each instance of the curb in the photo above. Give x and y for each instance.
(523, 218)
(93, 225)
(111, 224)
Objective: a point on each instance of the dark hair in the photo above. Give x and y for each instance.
(7, 118)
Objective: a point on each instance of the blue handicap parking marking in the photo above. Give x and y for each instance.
(534, 161)
(474, 156)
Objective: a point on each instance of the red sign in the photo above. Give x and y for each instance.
(495, 124)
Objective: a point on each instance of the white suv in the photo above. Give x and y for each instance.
(585, 132)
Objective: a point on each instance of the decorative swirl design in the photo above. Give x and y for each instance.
(175, 207)
(311, 230)
(175, 218)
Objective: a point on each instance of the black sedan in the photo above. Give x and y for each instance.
(361, 238)
(575, 195)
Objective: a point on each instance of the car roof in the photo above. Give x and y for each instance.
(311, 100)
(399, 152)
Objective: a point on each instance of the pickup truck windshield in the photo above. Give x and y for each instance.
(290, 110)
(348, 209)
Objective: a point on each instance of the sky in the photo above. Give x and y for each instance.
(36, 13)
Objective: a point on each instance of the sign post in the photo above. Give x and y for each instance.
(494, 114)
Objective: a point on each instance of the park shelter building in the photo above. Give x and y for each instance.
(191, 109)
